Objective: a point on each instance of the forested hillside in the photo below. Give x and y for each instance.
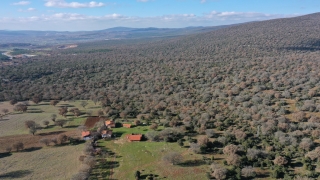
(257, 80)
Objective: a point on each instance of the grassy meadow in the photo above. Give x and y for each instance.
(48, 163)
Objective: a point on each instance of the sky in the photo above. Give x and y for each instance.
(87, 15)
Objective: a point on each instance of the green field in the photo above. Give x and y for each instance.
(13, 124)
(38, 161)
(48, 163)
(146, 157)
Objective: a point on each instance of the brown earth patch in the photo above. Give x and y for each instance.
(91, 121)
(32, 141)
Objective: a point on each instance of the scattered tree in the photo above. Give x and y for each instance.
(45, 141)
(280, 160)
(173, 158)
(153, 126)
(84, 104)
(18, 146)
(54, 102)
(46, 123)
(60, 123)
(53, 117)
(248, 172)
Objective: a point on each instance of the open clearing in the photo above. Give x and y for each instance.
(146, 157)
(13, 123)
(46, 163)
(37, 161)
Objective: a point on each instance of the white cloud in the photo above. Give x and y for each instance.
(31, 9)
(75, 21)
(21, 3)
(27, 10)
(241, 16)
(64, 4)
(143, 0)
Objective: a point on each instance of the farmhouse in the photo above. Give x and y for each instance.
(106, 133)
(86, 135)
(127, 125)
(110, 123)
(134, 137)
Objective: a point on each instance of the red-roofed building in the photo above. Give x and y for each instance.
(127, 125)
(134, 137)
(86, 135)
(110, 123)
(106, 133)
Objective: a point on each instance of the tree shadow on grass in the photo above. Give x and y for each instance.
(65, 105)
(192, 163)
(297, 164)
(35, 111)
(3, 155)
(263, 175)
(146, 175)
(118, 134)
(4, 120)
(16, 174)
(71, 126)
(51, 133)
(44, 103)
(32, 149)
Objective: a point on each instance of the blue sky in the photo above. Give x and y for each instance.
(76, 15)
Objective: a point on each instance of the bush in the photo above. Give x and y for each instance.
(62, 138)
(173, 157)
(18, 146)
(45, 141)
(90, 161)
(8, 149)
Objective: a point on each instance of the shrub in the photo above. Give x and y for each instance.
(18, 146)
(248, 172)
(62, 138)
(230, 149)
(172, 157)
(280, 161)
(152, 135)
(90, 161)
(45, 141)
(54, 140)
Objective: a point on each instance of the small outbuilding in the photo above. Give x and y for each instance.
(134, 137)
(127, 125)
(86, 135)
(106, 133)
(110, 123)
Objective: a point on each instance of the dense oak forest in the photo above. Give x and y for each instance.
(240, 79)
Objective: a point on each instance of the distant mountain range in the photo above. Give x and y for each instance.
(8, 38)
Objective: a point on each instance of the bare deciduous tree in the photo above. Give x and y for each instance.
(280, 160)
(154, 126)
(46, 123)
(60, 123)
(306, 144)
(173, 158)
(230, 149)
(18, 146)
(54, 102)
(45, 141)
(210, 133)
(53, 117)
(62, 138)
(29, 124)
(233, 159)
(248, 172)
